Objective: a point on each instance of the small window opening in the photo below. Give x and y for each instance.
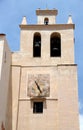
(55, 45)
(37, 107)
(46, 21)
(37, 45)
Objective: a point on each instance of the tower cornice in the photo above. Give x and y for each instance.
(48, 27)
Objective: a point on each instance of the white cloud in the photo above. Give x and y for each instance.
(80, 105)
(81, 115)
(81, 122)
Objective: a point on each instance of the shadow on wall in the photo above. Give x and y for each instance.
(9, 106)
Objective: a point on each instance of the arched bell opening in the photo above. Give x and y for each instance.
(37, 45)
(46, 21)
(55, 45)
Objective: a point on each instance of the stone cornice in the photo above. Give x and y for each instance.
(48, 27)
(46, 12)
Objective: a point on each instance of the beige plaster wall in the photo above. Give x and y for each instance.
(1, 54)
(15, 83)
(19, 92)
(47, 120)
(4, 78)
(61, 108)
(68, 98)
(51, 18)
(24, 110)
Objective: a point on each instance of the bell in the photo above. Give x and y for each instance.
(55, 49)
(37, 44)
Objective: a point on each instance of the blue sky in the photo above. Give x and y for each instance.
(12, 11)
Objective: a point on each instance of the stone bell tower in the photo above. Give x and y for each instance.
(44, 76)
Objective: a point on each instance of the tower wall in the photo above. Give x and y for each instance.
(26, 53)
(68, 97)
(60, 109)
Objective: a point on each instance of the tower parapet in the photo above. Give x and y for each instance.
(46, 16)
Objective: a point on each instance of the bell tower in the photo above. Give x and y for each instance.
(44, 76)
